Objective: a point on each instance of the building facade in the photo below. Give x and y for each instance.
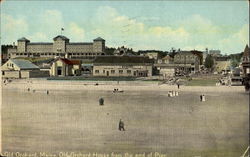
(153, 55)
(61, 47)
(188, 61)
(166, 60)
(246, 62)
(122, 66)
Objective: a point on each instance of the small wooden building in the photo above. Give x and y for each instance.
(20, 68)
(65, 67)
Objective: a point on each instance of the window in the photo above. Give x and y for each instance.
(97, 71)
(2, 72)
(21, 54)
(129, 71)
(112, 71)
(104, 71)
(120, 71)
(25, 53)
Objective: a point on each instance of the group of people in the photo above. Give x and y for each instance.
(173, 93)
(117, 90)
(6, 81)
(202, 97)
(47, 91)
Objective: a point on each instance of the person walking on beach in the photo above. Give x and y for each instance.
(121, 125)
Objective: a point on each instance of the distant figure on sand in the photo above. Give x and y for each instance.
(203, 98)
(101, 101)
(121, 125)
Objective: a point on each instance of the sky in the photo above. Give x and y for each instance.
(141, 25)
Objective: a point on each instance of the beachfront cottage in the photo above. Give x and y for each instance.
(122, 66)
(19, 68)
(65, 67)
(166, 70)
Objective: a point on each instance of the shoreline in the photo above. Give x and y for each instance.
(41, 84)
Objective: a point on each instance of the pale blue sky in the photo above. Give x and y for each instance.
(158, 25)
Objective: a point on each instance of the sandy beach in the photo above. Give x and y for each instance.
(69, 118)
(43, 85)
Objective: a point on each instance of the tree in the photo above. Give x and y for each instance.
(209, 62)
(235, 59)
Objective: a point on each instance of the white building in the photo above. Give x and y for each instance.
(122, 66)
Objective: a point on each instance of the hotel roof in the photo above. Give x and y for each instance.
(99, 39)
(23, 39)
(60, 36)
(81, 43)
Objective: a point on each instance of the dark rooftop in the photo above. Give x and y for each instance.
(70, 62)
(99, 39)
(122, 59)
(40, 43)
(60, 36)
(23, 39)
(81, 43)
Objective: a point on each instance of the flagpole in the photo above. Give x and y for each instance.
(62, 29)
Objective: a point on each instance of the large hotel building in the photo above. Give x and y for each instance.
(61, 47)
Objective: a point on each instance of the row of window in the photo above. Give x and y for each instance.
(61, 54)
(182, 57)
(10, 65)
(136, 73)
(113, 71)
